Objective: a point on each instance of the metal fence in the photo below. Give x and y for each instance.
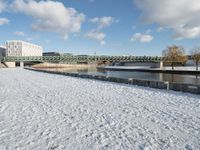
(82, 59)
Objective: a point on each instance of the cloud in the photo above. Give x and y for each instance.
(2, 8)
(182, 16)
(103, 21)
(96, 35)
(19, 33)
(187, 33)
(144, 38)
(4, 21)
(2, 5)
(51, 16)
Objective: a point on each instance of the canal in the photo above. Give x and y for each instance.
(177, 78)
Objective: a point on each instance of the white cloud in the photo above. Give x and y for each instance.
(182, 16)
(144, 38)
(187, 33)
(2, 5)
(2, 8)
(103, 21)
(96, 35)
(4, 21)
(19, 33)
(51, 16)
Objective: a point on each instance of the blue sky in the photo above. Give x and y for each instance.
(104, 27)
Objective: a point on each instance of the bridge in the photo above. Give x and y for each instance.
(74, 59)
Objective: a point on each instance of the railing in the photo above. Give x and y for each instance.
(82, 58)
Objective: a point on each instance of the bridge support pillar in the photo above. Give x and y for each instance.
(161, 64)
(157, 65)
(10, 64)
(92, 62)
(161, 76)
(22, 64)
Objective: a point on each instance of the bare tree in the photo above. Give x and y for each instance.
(174, 55)
(195, 56)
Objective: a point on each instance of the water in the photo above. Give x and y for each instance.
(189, 79)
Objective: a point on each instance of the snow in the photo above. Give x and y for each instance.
(53, 112)
(126, 67)
(190, 68)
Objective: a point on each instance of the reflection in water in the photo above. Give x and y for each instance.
(191, 79)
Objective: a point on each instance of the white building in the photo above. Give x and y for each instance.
(21, 48)
(2, 50)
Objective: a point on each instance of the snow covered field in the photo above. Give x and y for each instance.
(51, 112)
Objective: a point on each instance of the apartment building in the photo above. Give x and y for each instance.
(21, 48)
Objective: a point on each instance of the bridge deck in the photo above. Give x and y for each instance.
(81, 59)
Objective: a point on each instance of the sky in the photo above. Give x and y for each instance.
(102, 27)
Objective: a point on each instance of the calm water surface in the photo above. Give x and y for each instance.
(191, 79)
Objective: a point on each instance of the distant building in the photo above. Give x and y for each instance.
(21, 48)
(51, 54)
(82, 55)
(2, 50)
(66, 54)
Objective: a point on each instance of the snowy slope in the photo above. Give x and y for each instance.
(45, 112)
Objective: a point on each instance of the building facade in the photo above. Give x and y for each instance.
(2, 51)
(21, 48)
(51, 54)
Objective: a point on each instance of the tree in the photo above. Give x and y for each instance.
(195, 56)
(174, 55)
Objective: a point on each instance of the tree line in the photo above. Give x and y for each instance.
(175, 55)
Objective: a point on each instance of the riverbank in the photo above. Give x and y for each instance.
(183, 87)
(177, 70)
(62, 65)
(47, 111)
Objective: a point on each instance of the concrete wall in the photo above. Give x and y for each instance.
(10, 64)
(135, 64)
(190, 88)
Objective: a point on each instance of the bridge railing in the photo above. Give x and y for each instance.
(82, 58)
